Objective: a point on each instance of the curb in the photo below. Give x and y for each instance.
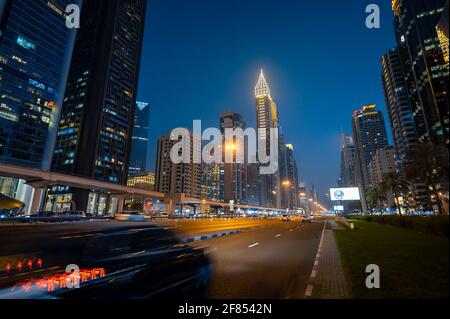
(206, 237)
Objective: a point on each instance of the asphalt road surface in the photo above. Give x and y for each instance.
(268, 259)
(272, 262)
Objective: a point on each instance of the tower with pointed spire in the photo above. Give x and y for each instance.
(262, 88)
(267, 118)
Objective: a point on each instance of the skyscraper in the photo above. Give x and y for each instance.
(267, 118)
(397, 102)
(442, 32)
(369, 135)
(35, 51)
(292, 183)
(180, 178)
(233, 179)
(348, 162)
(140, 148)
(426, 72)
(96, 126)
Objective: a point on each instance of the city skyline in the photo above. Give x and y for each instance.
(228, 85)
(316, 166)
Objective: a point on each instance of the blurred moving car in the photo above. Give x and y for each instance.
(286, 218)
(130, 216)
(123, 263)
(307, 219)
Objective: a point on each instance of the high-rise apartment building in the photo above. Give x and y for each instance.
(140, 148)
(177, 178)
(95, 131)
(426, 71)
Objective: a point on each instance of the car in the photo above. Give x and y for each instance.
(307, 219)
(128, 262)
(131, 216)
(286, 218)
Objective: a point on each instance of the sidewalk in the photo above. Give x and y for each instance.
(328, 278)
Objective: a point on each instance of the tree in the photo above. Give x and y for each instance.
(428, 163)
(372, 197)
(394, 183)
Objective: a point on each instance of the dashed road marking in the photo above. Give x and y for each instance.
(310, 288)
(279, 235)
(253, 245)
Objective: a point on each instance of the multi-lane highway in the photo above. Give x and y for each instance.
(271, 262)
(266, 259)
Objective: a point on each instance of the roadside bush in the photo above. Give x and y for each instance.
(436, 225)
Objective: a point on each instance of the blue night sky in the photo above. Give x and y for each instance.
(202, 57)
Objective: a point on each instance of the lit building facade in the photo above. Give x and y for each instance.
(426, 71)
(291, 186)
(442, 32)
(233, 176)
(267, 118)
(384, 161)
(145, 181)
(95, 131)
(140, 148)
(369, 135)
(211, 179)
(35, 51)
(177, 178)
(398, 104)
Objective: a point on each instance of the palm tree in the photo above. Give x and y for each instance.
(428, 163)
(394, 183)
(372, 196)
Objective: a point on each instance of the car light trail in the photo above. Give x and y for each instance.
(61, 281)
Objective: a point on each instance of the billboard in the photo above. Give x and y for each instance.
(339, 208)
(345, 194)
(152, 205)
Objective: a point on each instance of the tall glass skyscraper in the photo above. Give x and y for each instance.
(95, 131)
(426, 71)
(397, 102)
(140, 149)
(35, 50)
(267, 118)
(369, 135)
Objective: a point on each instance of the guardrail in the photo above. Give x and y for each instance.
(53, 219)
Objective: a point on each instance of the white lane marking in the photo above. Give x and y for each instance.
(78, 236)
(291, 230)
(253, 245)
(310, 288)
(279, 235)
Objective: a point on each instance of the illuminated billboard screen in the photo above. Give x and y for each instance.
(345, 194)
(339, 208)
